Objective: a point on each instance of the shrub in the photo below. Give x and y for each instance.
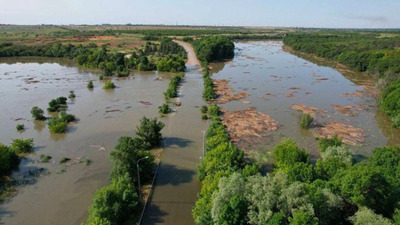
(108, 85)
(45, 158)
(204, 109)
(66, 117)
(90, 85)
(57, 125)
(172, 87)
(171, 64)
(164, 109)
(22, 146)
(286, 154)
(213, 110)
(56, 104)
(306, 120)
(324, 143)
(101, 77)
(37, 113)
(9, 160)
(64, 160)
(20, 127)
(71, 94)
(204, 117)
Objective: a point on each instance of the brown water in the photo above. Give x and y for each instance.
(62, 193)
(250, 71)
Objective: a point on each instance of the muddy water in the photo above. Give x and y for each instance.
(62, 193)
(260, 67)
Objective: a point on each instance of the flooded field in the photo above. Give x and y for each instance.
(276, 84)
(62, 193)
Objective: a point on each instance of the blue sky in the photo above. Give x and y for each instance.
(287, 13)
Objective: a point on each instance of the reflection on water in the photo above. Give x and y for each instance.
(276, 79)
(64, 192)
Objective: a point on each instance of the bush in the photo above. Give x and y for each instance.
(164, 109)
(286, 154)
(66, 117)
(57, 125)
(213, 110)
(45, 158)
(64, 160)
(306, 120)
(390, 102)
(324, 143)
(90, 85)
(171, 64)
(9, 160)
(20, 127)
(204, 109)
(101, 77)
(204, 117)
(214, 48)
(56, 104)
(37, 113)
(172, 87)
(108, 85)
(71, 94)
(22, 146)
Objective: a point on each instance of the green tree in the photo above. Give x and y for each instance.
(286, 154)
(149, 130)
(37, 113)
(8, 159)
(22, 146)
(365, 216)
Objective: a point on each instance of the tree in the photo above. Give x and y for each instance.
(365, 216)
(37, 113)
(303, 218)
(365, 186)
(115, 203)
(108, 85)
(229, 204)
(8, 160)
(90, 85)
(295, 198)
(286, 153)
(149, 130)
(334, 159)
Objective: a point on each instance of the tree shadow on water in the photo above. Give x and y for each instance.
(175, 141)
(169, 174)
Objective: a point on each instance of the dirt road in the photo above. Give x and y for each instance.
(191, 55)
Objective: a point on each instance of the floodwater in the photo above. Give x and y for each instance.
(177, 185)
(260, 67)
(62, 193)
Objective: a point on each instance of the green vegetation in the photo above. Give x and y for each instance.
(204, 117)
(208, 92)
(164, 109)
(20, 127)
(204, 109)
(108, 85)
(22, 146)
(366, 51)
(118, 203)
(390, 102)
(9, 160)
(213, 48)
(64, 160)
(56, 104)
(45, 158)
(71, 94)
(37, 113)
(171, 64)
(59, 124)
(306, 120)
(334, 190)
(173, 86)
(90, 85)
(213, 111)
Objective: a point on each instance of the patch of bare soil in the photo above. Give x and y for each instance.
(314, 112)
(348, 133)
(248, 125)
(191, 55)
(222, 89)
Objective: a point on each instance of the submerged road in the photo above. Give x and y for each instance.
(177, 185)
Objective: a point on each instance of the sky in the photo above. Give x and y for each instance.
(284, 13)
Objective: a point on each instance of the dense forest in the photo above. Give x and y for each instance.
(375, 53)
(334, 190)
(214, 48)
